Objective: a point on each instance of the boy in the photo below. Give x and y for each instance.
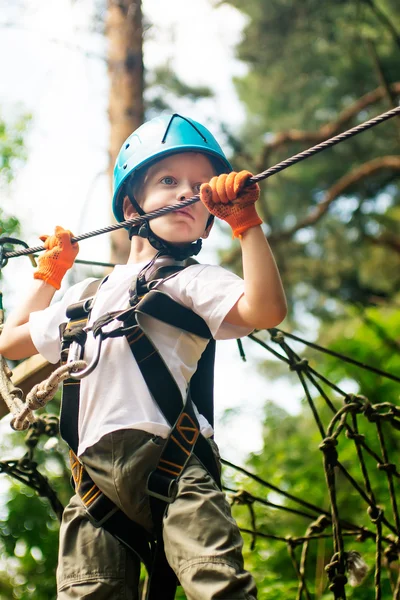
(122, 428)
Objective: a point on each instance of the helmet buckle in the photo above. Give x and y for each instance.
(144, 230)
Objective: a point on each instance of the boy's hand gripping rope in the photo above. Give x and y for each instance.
(4, 256)
(229, 198)
(58, 258)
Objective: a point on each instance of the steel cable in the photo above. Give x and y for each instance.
(341, 137)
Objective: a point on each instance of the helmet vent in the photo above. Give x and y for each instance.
(127, 146)
(125, 165)
(187, 121)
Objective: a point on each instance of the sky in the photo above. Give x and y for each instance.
(55, 69)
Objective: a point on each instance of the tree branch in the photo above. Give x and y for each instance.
(384, 19)
(366, 170)
(387, 238)
(390, 95)
(330, 129)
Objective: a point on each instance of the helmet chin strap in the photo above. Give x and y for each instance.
(144, 230)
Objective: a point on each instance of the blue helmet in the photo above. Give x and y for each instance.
(157, 139)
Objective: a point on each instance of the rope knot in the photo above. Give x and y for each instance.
(276, 336)
(242, 497)
(293, 542)
(357, 437)
(299, 365)
(355, 399)
(337, 578)
(392, 553)
(375, 514)
(388, 467)
(338, 582)
(370, 412)
(363, 535)
(320, 524)
(42, 393)
(328, 447)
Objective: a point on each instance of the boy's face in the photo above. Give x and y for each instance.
(167, 182)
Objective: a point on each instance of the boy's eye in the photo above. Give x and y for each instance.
(168, 180)
(196, 187)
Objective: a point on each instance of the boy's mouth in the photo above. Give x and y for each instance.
(186, 212)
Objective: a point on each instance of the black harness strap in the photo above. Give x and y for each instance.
(104, 513)
(160, 306)
(78, 315)
(184, 438)
(182, 418)
(101, 511)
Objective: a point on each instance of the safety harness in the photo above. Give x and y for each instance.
(184, 439)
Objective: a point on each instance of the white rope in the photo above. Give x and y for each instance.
(42, 393)
(9, 394)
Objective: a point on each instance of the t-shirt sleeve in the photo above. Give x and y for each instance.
(211, 292)
(44, 324)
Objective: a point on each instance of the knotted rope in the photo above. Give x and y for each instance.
(42, 393)
(11, 395)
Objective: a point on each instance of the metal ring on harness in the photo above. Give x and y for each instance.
(93, 364)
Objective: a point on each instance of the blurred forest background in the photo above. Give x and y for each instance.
(313, 70)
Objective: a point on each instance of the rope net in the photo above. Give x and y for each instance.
(339, 419)
(257, 501)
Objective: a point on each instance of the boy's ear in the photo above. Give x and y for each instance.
(128, 208)
(207, 230)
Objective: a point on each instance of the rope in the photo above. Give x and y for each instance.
(4, 256)
(344, 565)
(42, 393)
(25, 469)
(9, 394)
(275, 332)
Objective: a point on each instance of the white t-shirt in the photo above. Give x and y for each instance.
(114, 396)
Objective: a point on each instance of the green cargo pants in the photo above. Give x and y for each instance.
(202, 541)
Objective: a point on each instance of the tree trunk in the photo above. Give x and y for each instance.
(125, 67)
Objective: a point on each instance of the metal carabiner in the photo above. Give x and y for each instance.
(11, 240)
(3, 259)
(95, 360)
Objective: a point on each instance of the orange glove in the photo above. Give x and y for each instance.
(227, 197)
(58, 258)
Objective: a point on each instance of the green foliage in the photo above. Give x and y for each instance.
(29, 528)
(8, 223)
(164, 86)
(324, 68)
(12, 156)
(292, 461)
(12, 149)
(29, 540)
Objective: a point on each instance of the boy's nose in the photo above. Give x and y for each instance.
(184, 191)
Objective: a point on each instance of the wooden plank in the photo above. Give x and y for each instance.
(31, 371)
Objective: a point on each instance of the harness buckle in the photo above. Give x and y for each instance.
(75, 352)
(167, 487)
